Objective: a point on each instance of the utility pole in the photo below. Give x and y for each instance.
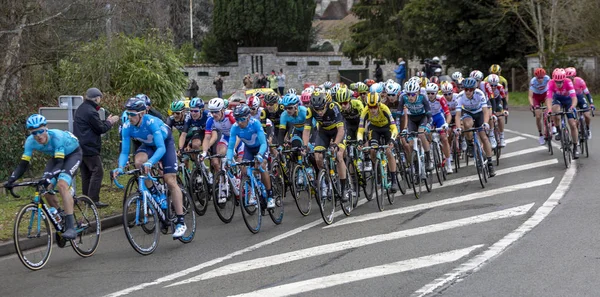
(191, 22)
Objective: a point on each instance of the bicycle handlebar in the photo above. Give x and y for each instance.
(23, 184)
(130, 172)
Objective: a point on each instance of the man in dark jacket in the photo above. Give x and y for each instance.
(87, 128)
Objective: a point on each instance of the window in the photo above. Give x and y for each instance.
(185, 73)
(223, 73)
(203, 73)
(335, 63)
(291, 63)
(379, 62)
(312, 63)
(357, 63)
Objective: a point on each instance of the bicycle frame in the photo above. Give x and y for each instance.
(146, 196)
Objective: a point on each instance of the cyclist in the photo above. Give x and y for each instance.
(157, 145)
(295, 117)
(66, 157)
(273, 113)
(455, 78)
(362, 90)
(581, 90)
(305, 99)
(382, 127)
(291, 91)
(496, 69)
(485, 87)
(440, 115)
(538, 86)
(217, 136)
(452, 100)
(498, 103)
(562, 94)
(193, 133)
(251, 133)
(351, 110)
(178, 116)
(418, 113)
(476, 113)
(330, 133)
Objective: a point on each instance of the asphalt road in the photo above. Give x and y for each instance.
(458, 240)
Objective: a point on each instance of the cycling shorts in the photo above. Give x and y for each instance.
(325, 137)
(168, 160)
(414, 122)
(477, 118)
(379, 135)
(565, 102)
(70, 165)
(539, 100)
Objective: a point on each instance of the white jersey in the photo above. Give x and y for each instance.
(473, 105)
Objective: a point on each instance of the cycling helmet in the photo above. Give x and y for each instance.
(373, 99)
(495, 69)
(447, 88)
(476, 74)
(389, 81)
(456, 75)
(376, 88)
(241, 111)
(424, 82)
(136, 103)
(369, 82)
(145, 98)
(412, 86)
(35, 121)
(271, 98)
(197, 102)
(178, 106)
(493, 79)
(225, 103)
(334, 89)
(216, 104)
(328, 96)
(343, 95)
(438, 71)
(327, 85)
(420, 74)
(318, 100)
(291, 91)
(460, 80)
(361, 87)
(559, 74)
(539, 72)
(305, 98)
(254, 102)
(435, 80)
(469, 83)
(290, 99)
(393, 88)
(570, 72)
(431, 87)
(435, 59)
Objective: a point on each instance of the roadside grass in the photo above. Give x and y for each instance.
(520, 98)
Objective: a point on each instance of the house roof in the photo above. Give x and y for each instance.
(335, 29)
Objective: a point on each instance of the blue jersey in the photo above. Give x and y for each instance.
(151, 131)
(60, 144)
(539, 88)
(419, 107)
(252, 136)
(298, 120)
(192, 126)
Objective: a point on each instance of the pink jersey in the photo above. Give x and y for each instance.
(439, 105)
(580, 86)
(566, 89)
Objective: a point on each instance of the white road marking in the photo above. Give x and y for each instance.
(500, 246)
(508, 155)
(361, 274)
(514, 139)
(423, 206)
(354, 243)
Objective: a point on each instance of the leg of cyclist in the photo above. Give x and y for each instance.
(556, 104)
(500, 111)
(573, 125)
(485, 141)
(583, 104)
(467, 121)
(538, 100)
(425, 142)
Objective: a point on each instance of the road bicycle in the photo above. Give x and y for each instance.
(498, 149)
(583, 132)
(416, 173)
(380, 174)
(481, 162)
(302, 180)
(566, 143)
(329, 189)
(362, 176)
(226, 191)
(438, 158)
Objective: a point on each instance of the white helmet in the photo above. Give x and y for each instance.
(456, 75)
(392, 88)
(412, 86)
(447, 88)
(327, 85)
(477, 75)
(389, 82)
(438, 70)
(493, 79)
(216, 104)
(255, 103)
(431, 87)
(291, 91)
(415, 78)
(435, 59)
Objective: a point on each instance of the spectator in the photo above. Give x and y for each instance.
(256, 84)
(193, 88)
(262, 81)
(281, 81)
(431, 66)
(218, 82)
(273, 81)
(87, 128)
(247, 82)
(401, 72)
(378, 73)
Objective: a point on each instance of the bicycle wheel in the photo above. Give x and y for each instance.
(277, 185)
(251, 212)
(353, 181)
(368, 184)
(428, 180)
(189, 217)
(548, 134)
(347, 206)
(437, 162)
(382, 183)
(415, 174)
(583, 143)
(477, 154)
(138, 220)
(566, 146)
(87, 225)
(223, 188)
(376, 182)
(199, 192)
(278, 168)
(400, 169)
(326, 196)
(131, 187)
(498, 149)
(301, 187)
(32, 237)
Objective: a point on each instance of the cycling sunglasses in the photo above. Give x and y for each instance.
(132, 113)
(38, 132)
(469, 89)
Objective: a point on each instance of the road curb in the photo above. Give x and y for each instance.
(8, 248)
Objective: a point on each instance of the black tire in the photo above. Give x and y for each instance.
(251, 213)
(479, 164)
(376, 182)
(199, 192)
(132, 186)
(437, 163)
(277, 185)
(35, 251)
(189, 217)
(498, 149)
(225, 210)
(566, 147)
(145, 245)
(326, 204)
(87, 225)
(400, 169)
(302, 188)
(583, 143)
(353, 177)
(549, 140)
(417, 183)
(382, 178)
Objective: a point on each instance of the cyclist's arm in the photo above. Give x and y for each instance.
(307, 126)
(282, 128)
(262, 139)
(530, 97)
(24, 164)
(159, 142)
(361, 125)
(486, 113)
(125, 146)
(183, 134)
(427, 109)
(232, 144)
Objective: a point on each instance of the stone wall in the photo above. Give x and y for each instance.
(299, 68)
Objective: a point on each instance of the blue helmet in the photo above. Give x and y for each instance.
(376, 88)
(137, 104)
(145, 98)
(197, 102)
(290, 99)
(469, 83)
(241, 111)
(35, 121)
